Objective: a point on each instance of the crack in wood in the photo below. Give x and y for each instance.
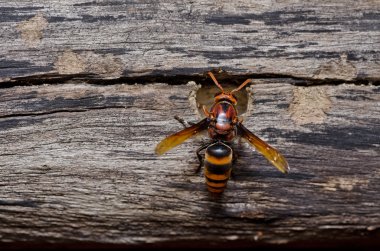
(19, 203)
(32, 114)
(162, 77)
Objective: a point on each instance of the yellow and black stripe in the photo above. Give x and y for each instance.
(218, 165)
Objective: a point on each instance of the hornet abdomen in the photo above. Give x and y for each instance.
(218, 165)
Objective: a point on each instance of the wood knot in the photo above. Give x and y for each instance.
(336, 69)
(310, 105)
(31, 29)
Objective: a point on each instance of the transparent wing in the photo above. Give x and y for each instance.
(266, 150)
(179, 137)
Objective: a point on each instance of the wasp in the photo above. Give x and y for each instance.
(223, 125)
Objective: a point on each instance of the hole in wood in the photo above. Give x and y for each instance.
(205, 96)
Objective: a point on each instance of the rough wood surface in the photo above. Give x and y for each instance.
(77, 164)
(112, 39)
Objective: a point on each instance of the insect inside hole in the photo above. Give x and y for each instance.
(223, 125)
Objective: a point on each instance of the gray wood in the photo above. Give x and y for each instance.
(78, 164)
(111, 39)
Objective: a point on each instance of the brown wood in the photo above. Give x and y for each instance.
(77, 161)
(78, 165)
(111, 39)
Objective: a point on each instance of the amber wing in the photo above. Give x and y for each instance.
(179, 137)
(266, 150)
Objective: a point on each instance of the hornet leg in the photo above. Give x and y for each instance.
(185, 123)
(200, 156)
(234, 159)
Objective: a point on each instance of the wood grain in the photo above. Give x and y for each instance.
(112, 39)
(78, 165)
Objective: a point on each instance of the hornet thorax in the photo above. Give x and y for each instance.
(223, 118)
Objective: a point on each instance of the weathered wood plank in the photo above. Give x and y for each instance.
(112, 39)
(77, 164)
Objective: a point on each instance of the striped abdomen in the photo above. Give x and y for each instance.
(218, 164)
